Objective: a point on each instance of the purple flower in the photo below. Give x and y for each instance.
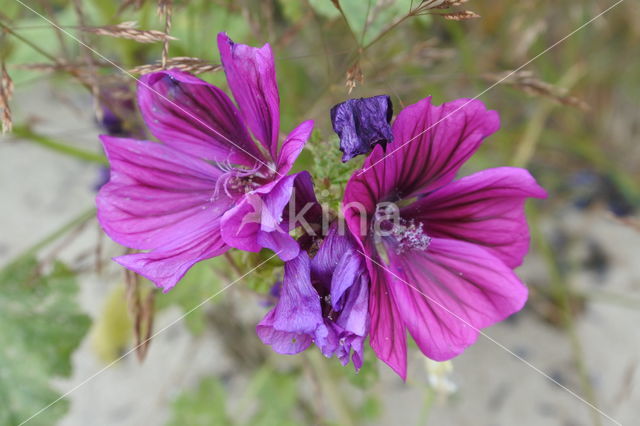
(117, 117)
(218, 179)
(443, 268)
(323, 300)
(362, 124)
(270, 299)
(102, 179)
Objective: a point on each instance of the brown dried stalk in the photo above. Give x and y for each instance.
(527, 82)
(81, 71)
(428, 6)
(165, 8)
(127, 30)
(142, 313)
(6, 93)
(89, 78)
(440, 4)
(183, 63)
(58, 66)
(459, 16)
(354, 76)
(126, 4)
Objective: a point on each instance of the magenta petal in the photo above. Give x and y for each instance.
(257, 220)
(292, 146)
(430, 145)
(449, 292)
(387, 334)
(157, 196)
(166, 267)
(252, 78)
(486, 208)
(196, 117)
(162, 200)
(279, 241)
(241, 224)
(274, 234)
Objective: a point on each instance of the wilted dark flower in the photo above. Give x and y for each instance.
(362, 124)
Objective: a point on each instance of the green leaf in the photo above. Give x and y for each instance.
(271, 396)
(264, 277)
(204, 406)
(41, 327)
(367, 18)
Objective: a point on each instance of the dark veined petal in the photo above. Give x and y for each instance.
(486, 208)
(430, 145)
(362, 124)
(251, 76)
(196, 117)
(387, 335)
(447, 293)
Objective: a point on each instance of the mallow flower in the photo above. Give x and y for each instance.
(217, 179)
(323, 300)
(440, 251)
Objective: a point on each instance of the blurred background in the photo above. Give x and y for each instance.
(68, 313)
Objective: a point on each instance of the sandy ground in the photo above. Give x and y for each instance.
(42, 190)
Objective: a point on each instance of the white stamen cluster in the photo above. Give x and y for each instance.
(240, 184)
(236, 180)
(410, 236)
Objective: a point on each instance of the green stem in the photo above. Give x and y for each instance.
(429, 398)
(535, 127)
(76, 221)
(25, 132)
(330, 390)
(387, 30)
(563, 295)
(28, 42)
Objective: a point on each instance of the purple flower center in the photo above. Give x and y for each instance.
(401, 234)
(237, 181)
(409, 236)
